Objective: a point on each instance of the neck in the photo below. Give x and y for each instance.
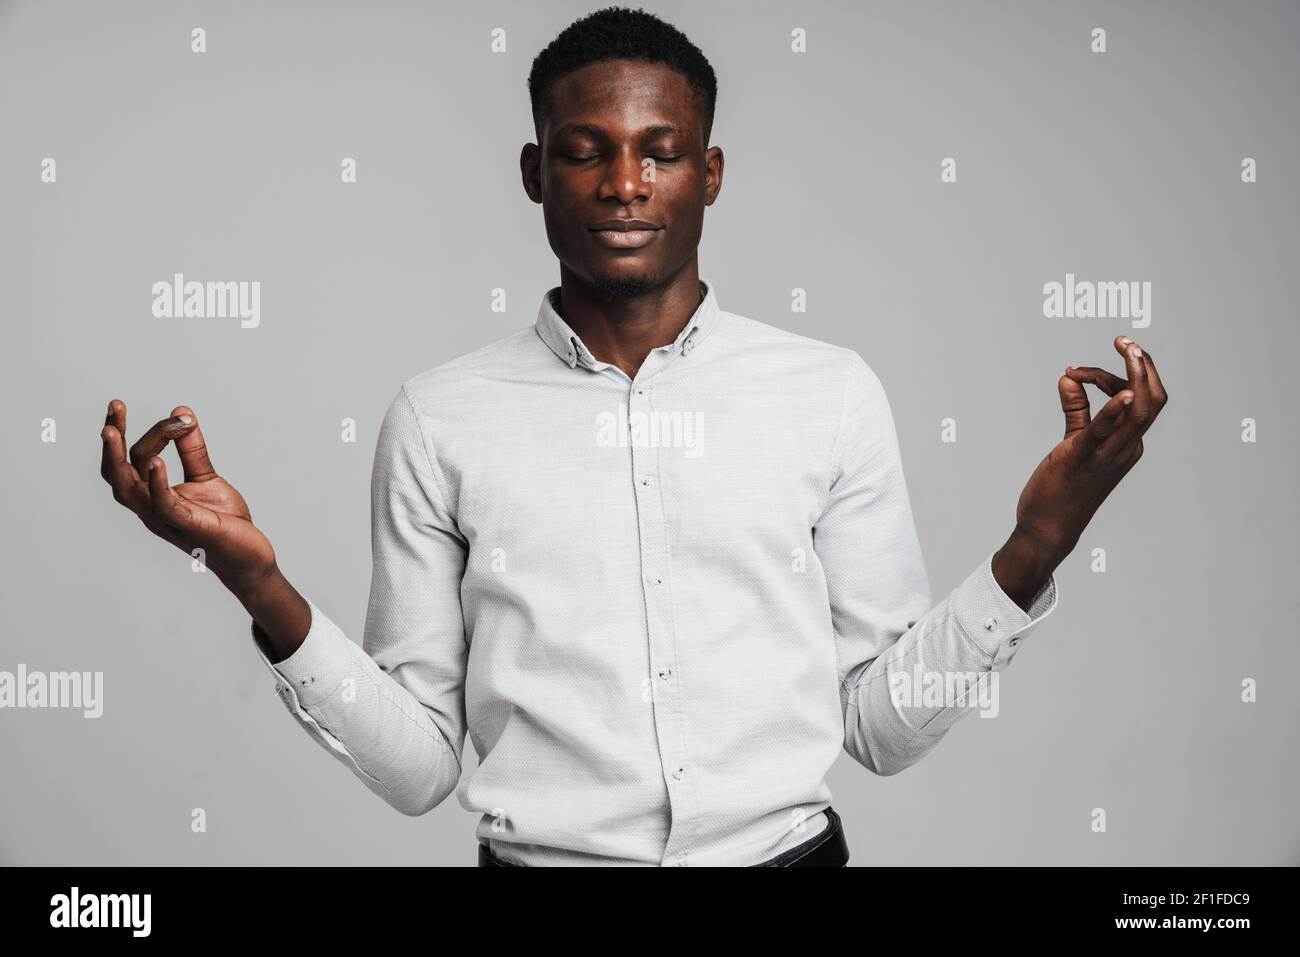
(622, 331)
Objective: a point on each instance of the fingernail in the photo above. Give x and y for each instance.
(186, 420)
(110, 408)
(1125, 340)
(1128, 399)
(1137, 352)
(1069, 367)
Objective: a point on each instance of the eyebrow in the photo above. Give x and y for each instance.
(595, 130)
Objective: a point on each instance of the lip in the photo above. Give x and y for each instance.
(625, 238)
(624, 233)
(620, 223)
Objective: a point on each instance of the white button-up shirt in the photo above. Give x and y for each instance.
(660, 606)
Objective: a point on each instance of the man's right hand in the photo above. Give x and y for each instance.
(205, 511)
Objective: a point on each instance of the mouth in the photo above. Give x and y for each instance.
(621, 236)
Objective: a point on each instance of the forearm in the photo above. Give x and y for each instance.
(904, 701)
(369, 719)
(281, 614)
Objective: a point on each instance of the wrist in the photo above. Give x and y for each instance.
(281, 616)
(257, 592)
(1043, 548)
(1023, 565)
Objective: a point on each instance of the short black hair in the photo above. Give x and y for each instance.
(619, 33)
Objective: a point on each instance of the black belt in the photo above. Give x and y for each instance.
(827, 849)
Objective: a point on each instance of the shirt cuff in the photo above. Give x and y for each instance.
(318, 666)
(992, 620)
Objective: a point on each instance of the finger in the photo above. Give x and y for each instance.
(1158, 393)
(116, 415)
(1141, 411)
(1105, 381)
(1074, 403)
(156, 439)
(1106, 431)
(128, 488)
(193, 450)
(165, 505)
(116, 419)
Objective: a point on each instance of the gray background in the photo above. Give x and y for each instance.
(1122, 166)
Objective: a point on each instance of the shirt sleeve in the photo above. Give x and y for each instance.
(908, 670)
(393, 709)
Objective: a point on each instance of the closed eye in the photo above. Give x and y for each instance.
(657, 159)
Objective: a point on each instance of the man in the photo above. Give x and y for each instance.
(657, 559)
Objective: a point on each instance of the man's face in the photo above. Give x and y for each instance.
(624, 140)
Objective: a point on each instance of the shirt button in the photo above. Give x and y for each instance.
(1014, 642)
(657, 579)
(308, 680)
(665, 673)
(679, 773)
(645, 480)
(990, 623)
(640, 391)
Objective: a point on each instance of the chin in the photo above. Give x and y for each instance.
(624, 286)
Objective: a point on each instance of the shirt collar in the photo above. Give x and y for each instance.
(566, 343)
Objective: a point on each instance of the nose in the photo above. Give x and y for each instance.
(628, 177)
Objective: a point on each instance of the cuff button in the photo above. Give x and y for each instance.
(990, 623)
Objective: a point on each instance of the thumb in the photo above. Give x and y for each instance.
(193, 450)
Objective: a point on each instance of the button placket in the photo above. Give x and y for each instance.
(657, 587)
